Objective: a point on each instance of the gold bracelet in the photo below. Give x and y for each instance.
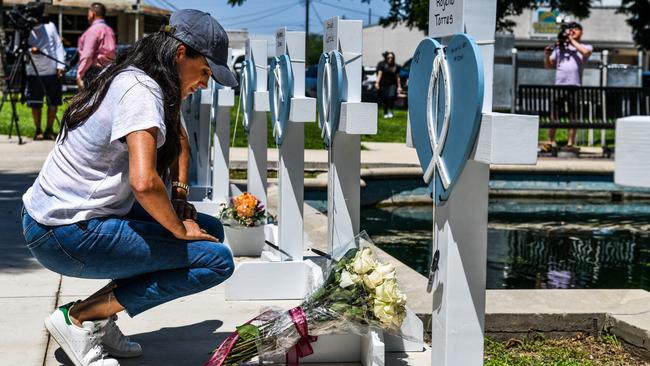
(181, 185)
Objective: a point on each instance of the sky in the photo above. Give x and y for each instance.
(263, 17)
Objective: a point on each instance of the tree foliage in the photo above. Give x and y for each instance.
(639, 20)
(415, 13)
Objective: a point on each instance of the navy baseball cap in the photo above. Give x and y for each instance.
(199, 30)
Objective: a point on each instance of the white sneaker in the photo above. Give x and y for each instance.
(81, 344)
(386, 116)
(115, 343)
(390, 115)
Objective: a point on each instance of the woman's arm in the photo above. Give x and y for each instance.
(149, 189)
(379, 75)
(586, 52)
(548, 63)
(399, 82)
(179, 172)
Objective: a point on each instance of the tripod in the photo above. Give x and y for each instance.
(16, 84)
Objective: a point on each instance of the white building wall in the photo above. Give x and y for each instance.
(401, 40)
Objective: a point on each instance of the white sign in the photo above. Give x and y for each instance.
(280, 41)
(330, 34)
(445, 17)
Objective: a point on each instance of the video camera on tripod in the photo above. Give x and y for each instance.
(23, 18)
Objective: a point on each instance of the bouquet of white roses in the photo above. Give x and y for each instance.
(359, 293)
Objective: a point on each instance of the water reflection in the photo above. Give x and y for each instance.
(569, 248)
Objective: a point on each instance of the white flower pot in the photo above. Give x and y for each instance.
(245, 241)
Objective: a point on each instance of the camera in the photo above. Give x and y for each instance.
(23, 17)
(563, 35)
(565, 31)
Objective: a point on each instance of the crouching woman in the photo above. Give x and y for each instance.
(100, 208)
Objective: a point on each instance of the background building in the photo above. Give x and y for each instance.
(130, 19)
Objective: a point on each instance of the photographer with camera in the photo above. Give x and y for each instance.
(46, 49)
(567, 57)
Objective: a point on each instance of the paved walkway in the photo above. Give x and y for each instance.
(182, 332)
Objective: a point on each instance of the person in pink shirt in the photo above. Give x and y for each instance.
(96, 46)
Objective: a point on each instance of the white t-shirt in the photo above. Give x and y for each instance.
(47, 40)
(87, 176)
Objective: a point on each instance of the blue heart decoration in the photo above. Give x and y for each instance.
(330, 85)
(460, 64)
(247, 91)
(280, 94)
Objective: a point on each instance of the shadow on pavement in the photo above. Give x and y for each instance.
(15, 256)
(187, 345)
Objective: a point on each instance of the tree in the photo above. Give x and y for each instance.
(415, 13)
(315, 48)
(639, 20)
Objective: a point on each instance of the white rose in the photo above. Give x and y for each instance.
(373, 279)
(346, 279)
(386, 270)
(384, 312)
(363, 262)
(388, 292)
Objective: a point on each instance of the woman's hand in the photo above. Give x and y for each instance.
(184, 209)
(194, 232)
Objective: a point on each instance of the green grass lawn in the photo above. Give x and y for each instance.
(26, 122)
(580, 350)
(561, 136)
(388, 130)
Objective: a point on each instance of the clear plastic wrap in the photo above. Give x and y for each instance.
(359, 293)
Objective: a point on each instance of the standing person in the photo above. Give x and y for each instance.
(96, 46)
(388, 83)
(44, 81)
(567, 57)
(99, 207)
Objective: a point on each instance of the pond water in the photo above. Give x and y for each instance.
(536, 244)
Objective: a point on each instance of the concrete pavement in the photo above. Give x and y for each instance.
(183, 332)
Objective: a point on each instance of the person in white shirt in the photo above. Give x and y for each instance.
(99, 207)
(45, 81)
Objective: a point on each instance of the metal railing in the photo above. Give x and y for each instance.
(560, 106)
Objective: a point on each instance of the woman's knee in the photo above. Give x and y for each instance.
(211, 224)
(223, 263)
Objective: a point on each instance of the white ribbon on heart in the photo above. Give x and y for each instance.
(278, 99)
(438, 142)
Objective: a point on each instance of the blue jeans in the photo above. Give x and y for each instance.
(148, 264)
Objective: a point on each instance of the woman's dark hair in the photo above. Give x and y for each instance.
(156, 56)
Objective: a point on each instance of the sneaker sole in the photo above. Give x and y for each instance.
(58, 337)
(115, 353)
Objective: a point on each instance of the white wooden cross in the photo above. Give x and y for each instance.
(460, 225)
(282, 275)
(292, 150)
(257, 54)
(356, 119)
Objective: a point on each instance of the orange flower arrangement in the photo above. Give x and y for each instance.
(245, 209)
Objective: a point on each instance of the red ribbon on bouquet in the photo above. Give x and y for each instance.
(220, 355)
(303, 347)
